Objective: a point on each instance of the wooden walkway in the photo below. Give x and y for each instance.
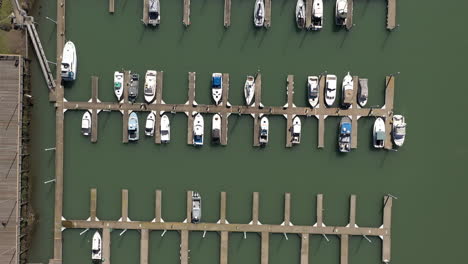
(145, 18)
(227, 13)
(186, 18)
(391, 14)
(349, 21)
(111, 6)
(267, 23)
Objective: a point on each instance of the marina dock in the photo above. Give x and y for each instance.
(257, 103)
(186, 19)
(94, 112)
(125, 112)
(225, 115)
(158, 100)
(111, 6)
(289, 117)
(227, 13)
(349, 21)
(267, 23)
(145, 18)
(391, 14)
(191, 103)
(308, 14)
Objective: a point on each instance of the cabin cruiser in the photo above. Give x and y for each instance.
(363, 92)
(198, 129)
(118, 85)
(96, 248)
(259, 13)
(133, 90)
(150, 86)
(296, 130)
(196, 208)
(399, 130)
(341, 12)
(317, 15)
(217, 87)
(344, 138)
(69, 62)
(216, 129)
(165, 129)
(347, 91)
(249, 90)
(154, 16)
(379, 133)
(150, 123)
(313, 90)
(86, 124)
(300, 14)
(133, 128)
(330, 89)
(264, 128)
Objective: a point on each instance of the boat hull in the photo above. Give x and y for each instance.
(313, 90)
(96, 247)
(69, 62)
(347, 89)
(259, 13)
(264, 131)
(300, 14)
(345, 138)
(217, 87)
(150, 86)
(399, 124)
(249, 90)
(150, 124)
(86, 124)
(330, 94)
(198, 130)
(317, 15)
(133, 127)
(296, 130)
(165, 129)
(118, 85)
(379, 133)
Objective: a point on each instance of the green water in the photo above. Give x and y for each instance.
(427, 174)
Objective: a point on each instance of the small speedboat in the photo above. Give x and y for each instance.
(216, 129)
(341, 12)
(154, 16)
(330, 90)
(296, 130)
(317, 15)
(259, 13)
(133, 89)
(249, 90)
(363, 92)
(217, 87)
(133, 128)
(150, 86)
(198, 130)
(150, 123)
(118, 85)
(300, 14)
(344, 137)
(86, 124)
(379, 133)
(313, 90)
(264, 128)
(165, 129)
(347, 90)
(96, 247)
(69, 62)
(196, 208)
(399, 130)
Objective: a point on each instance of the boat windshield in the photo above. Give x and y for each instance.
(153, 15)
(117, 85)
(164, 132)
(148, 90)
(197, 138)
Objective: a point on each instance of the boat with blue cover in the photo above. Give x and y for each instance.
(344, 137)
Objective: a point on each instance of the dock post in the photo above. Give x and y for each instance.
(144, 246)
(387, 223)
(305, 249)
(93, 200)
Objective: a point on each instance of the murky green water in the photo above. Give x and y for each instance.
(427, 174)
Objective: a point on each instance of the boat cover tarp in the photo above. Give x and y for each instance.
(216, 81)
(363, 88)
(348, 96)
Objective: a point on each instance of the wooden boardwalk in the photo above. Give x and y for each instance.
(391, 14)
(308, 14)
(349, 21)
(227, 13)
(158, 100)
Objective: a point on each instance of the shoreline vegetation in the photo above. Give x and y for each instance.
(11, 40)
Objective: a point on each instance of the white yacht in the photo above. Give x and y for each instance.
(150, 123)
(330, 89)
(96, 247)
(216, 129)
(154, 16)
(264, 129)
(259, 13)
(150, 86)
(118, 85)
(217, 87)
(296, 130)
(133, 127)
(165, 129)
(363, 92)
(347, 91)
(399, 130)
(313, 90)
(196, 208)
(69, 62)
(198, 130)
(86, 124)
(341, 12)
(249, 89)
(300, 14)
(317, 15)
(379, 133)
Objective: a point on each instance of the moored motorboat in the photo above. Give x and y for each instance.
(165, 129)
(96, 247)
(150, 123)
(249, 89)
(216, 129)
(217, 87)
(150, 86)
(69, 62)
(86, 124)
(317, 15)
(330, 89)
(264, 130)
(300, 14)
(296, 130)
(347, 91)
(259, 13)
(118, 85)
(134, 86)
(341, 12)
(154, 16)
(344, 137)
(196, 208)
(399, 130)
(198, 130)
(133, 128)
(379, 133)
(363, 92)
(313, 90)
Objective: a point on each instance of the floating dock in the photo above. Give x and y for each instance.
(227, 13)
(145, 18)
(111, 6)
(158, 100)
(391, 14)
(349, 21)
(308, 14)
(186, 19)
(267, 22)
(125, 112)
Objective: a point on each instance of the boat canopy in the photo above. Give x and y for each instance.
(364, 90)
(216, 81)
(346, 128)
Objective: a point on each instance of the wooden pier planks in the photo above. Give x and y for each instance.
(389, 97)
(145, 18)
(308, 14)
(387, 223)
(258, 104)
(227, 13)
(287, 209)
(157, 207)
(222, 209)
(225, 115)
(255, 201)
(320, 210)
(265, 247)
(144, 244)
(354, 118)
(158, 100)
(304, 248)
(94, 112)
(391, 14)
(344, 249)
(111, 6)
(125, 112)
(352, 211)
(124, 205)
(92, 206)
(191, 102)
(290, 104)
(224, 248)
(184, 247)
(186, 19)
(267, 23)
(106, 242)
(349, 20)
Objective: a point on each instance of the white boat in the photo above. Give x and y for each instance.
(249, 89)
(96, 247)
(150, 123)
(399, 130)
(313, 90)
(347, 90)
(198, 130)
(165, 129)
(216, 129)
(379, 133)
(154, 16)
(118, 84)
(264, 129)
(86, 124)
(217, 87)
(150, 86)
(341, 12)
(330, 89)
(296, 130)
(363, 92)
(259, 13)
(300, 14)
(69, 62)
(133, 127)
(317, 15)
(196, 208)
